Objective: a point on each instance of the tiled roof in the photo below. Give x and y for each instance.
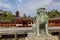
(55, 18)
(5, 20)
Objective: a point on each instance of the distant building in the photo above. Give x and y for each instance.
(17, 21)
(25, 21)
(17, 13)
(54, 21)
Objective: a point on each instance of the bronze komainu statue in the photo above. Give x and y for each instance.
(40, 26)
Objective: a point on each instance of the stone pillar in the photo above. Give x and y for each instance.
(0, 35)
(15, 35)
(59, 35)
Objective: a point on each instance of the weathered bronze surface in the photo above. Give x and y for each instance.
(40, 26)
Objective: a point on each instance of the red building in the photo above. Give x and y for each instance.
(26, 22)
(54, 21)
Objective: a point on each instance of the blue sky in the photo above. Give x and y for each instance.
(29, 7)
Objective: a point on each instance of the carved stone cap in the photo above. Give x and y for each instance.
(40, 10)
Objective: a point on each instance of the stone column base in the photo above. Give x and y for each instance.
(33, 37)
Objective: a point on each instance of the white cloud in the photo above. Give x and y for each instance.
(56, 3)
(20, 1)
(30, 7)
(33, 4)
(37, 4)
(5, 5)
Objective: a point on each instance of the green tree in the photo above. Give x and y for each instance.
(5, 13)
(9, 16)
(24, 15)
(29, 16)
(2, 15)
(53, 13)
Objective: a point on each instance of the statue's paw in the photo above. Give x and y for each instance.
(26, 38)
(48, 34)
(34, 33)
(39, 35)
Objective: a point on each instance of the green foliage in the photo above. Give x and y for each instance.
(29, 16)
(2, 17)
(24, 15)
(9, 16)
(53, 13)
(6, 15)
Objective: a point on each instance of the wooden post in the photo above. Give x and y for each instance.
(15, 35)
(59, 35)
(0, 35)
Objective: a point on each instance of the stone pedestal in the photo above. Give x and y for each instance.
(33, 37)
